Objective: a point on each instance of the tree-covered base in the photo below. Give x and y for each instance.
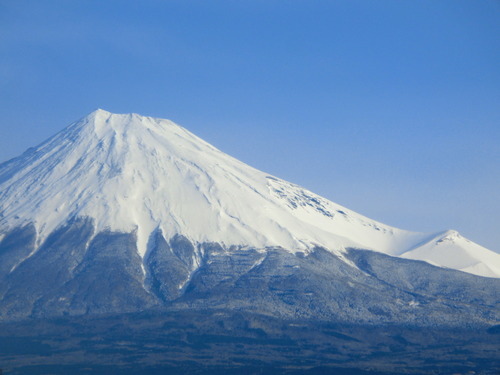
(228, 342)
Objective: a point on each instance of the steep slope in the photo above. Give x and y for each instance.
(140, 175)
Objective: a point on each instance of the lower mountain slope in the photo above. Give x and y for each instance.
(77, 271)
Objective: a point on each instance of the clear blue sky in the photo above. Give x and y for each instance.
(389, 107)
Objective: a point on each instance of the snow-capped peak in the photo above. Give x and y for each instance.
(134, 173)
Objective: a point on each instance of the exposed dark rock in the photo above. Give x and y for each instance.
(427, 280)
(109, 279)
(17, 245)
(169, 267)
(53, 265)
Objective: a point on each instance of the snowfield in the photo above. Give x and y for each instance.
(133, 173)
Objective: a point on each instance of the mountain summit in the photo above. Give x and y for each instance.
(130, 173)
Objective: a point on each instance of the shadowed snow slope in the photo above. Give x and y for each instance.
(131, 173)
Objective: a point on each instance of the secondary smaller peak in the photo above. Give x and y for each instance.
(448, 236)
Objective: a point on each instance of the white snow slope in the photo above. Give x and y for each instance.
(134, 173)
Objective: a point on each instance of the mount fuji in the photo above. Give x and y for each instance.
(121, 213)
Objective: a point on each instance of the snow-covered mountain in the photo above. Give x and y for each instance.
(130, 173)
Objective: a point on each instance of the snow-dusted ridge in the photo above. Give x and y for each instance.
(134, 173)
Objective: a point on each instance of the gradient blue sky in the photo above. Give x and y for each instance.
(389, 107)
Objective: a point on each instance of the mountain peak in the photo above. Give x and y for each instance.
(99, 111)
(99, 115)
(100, 120)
